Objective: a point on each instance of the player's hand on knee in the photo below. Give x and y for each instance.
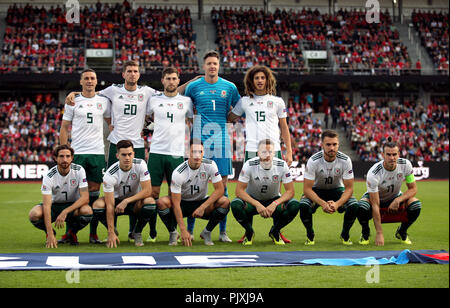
(59, 222)
(393, 207)
(120, 208)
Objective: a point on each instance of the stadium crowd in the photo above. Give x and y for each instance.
(358, 45)
(40, 40)
(422, 132)
(29, 128)
(433, 30)
(247, 37)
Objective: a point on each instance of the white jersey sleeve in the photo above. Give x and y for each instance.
(214, 173)
(281, 108)
(238, 110)
(309, 170)
(245, 174)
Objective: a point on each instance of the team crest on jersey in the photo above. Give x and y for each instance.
(223, 93)
(275, 178)
(73, 182)
(141, 97)
(269, 104)
(180, 105)
(202, 175)
(399, 176)
(133, 176)
(337, 171)
(99, 106)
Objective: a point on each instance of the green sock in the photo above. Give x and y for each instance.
(93, 195)
(216, 216)
(284, 215)
(364, 214)
(413, 212)
(306, 217)
(168, 219)
(351, 212)
(242, 217)
(144, 216)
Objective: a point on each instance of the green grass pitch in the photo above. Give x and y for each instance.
(431, 231)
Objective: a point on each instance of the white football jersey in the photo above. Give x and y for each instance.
(87, 123)
(128, 111)
(170, 115)
(329, 175)
(193, 184)
(262, 114)
(125, 184)
(64, 188)
(388, 184)
(264, 184)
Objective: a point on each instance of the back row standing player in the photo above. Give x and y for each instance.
(265, 116)
(86, 119)
(127, 117)
(130, 103)
(213, 98)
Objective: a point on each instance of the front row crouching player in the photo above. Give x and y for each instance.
(329, 183)
(189, 189)
(65, 198)
(258, 192)
(384, 201)
(127, 189)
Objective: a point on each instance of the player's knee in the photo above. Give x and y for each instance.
(305, 206)
(35, 213)
(237, 204)
(352, 205)
(223, 202)
(414, 205)
(292, 206)
(149, 200)
(99, 204)
(164, 203)
(85, 210)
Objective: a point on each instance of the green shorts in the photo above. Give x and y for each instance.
(138, 153)
(250, 155)
(57, 208)
(329, 194)
(160, 165)
(251, 210)
(189, 207)
(129, 210)
(93, 164)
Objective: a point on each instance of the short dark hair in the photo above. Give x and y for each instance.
(265, 142)
(195, 141)
(61, 147)
(124, 144)
(169, 70)
(329, 133)
(88, 70)
(211, 53)
(129, 63)
(390, 143)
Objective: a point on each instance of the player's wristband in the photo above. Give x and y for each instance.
(275, 201)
